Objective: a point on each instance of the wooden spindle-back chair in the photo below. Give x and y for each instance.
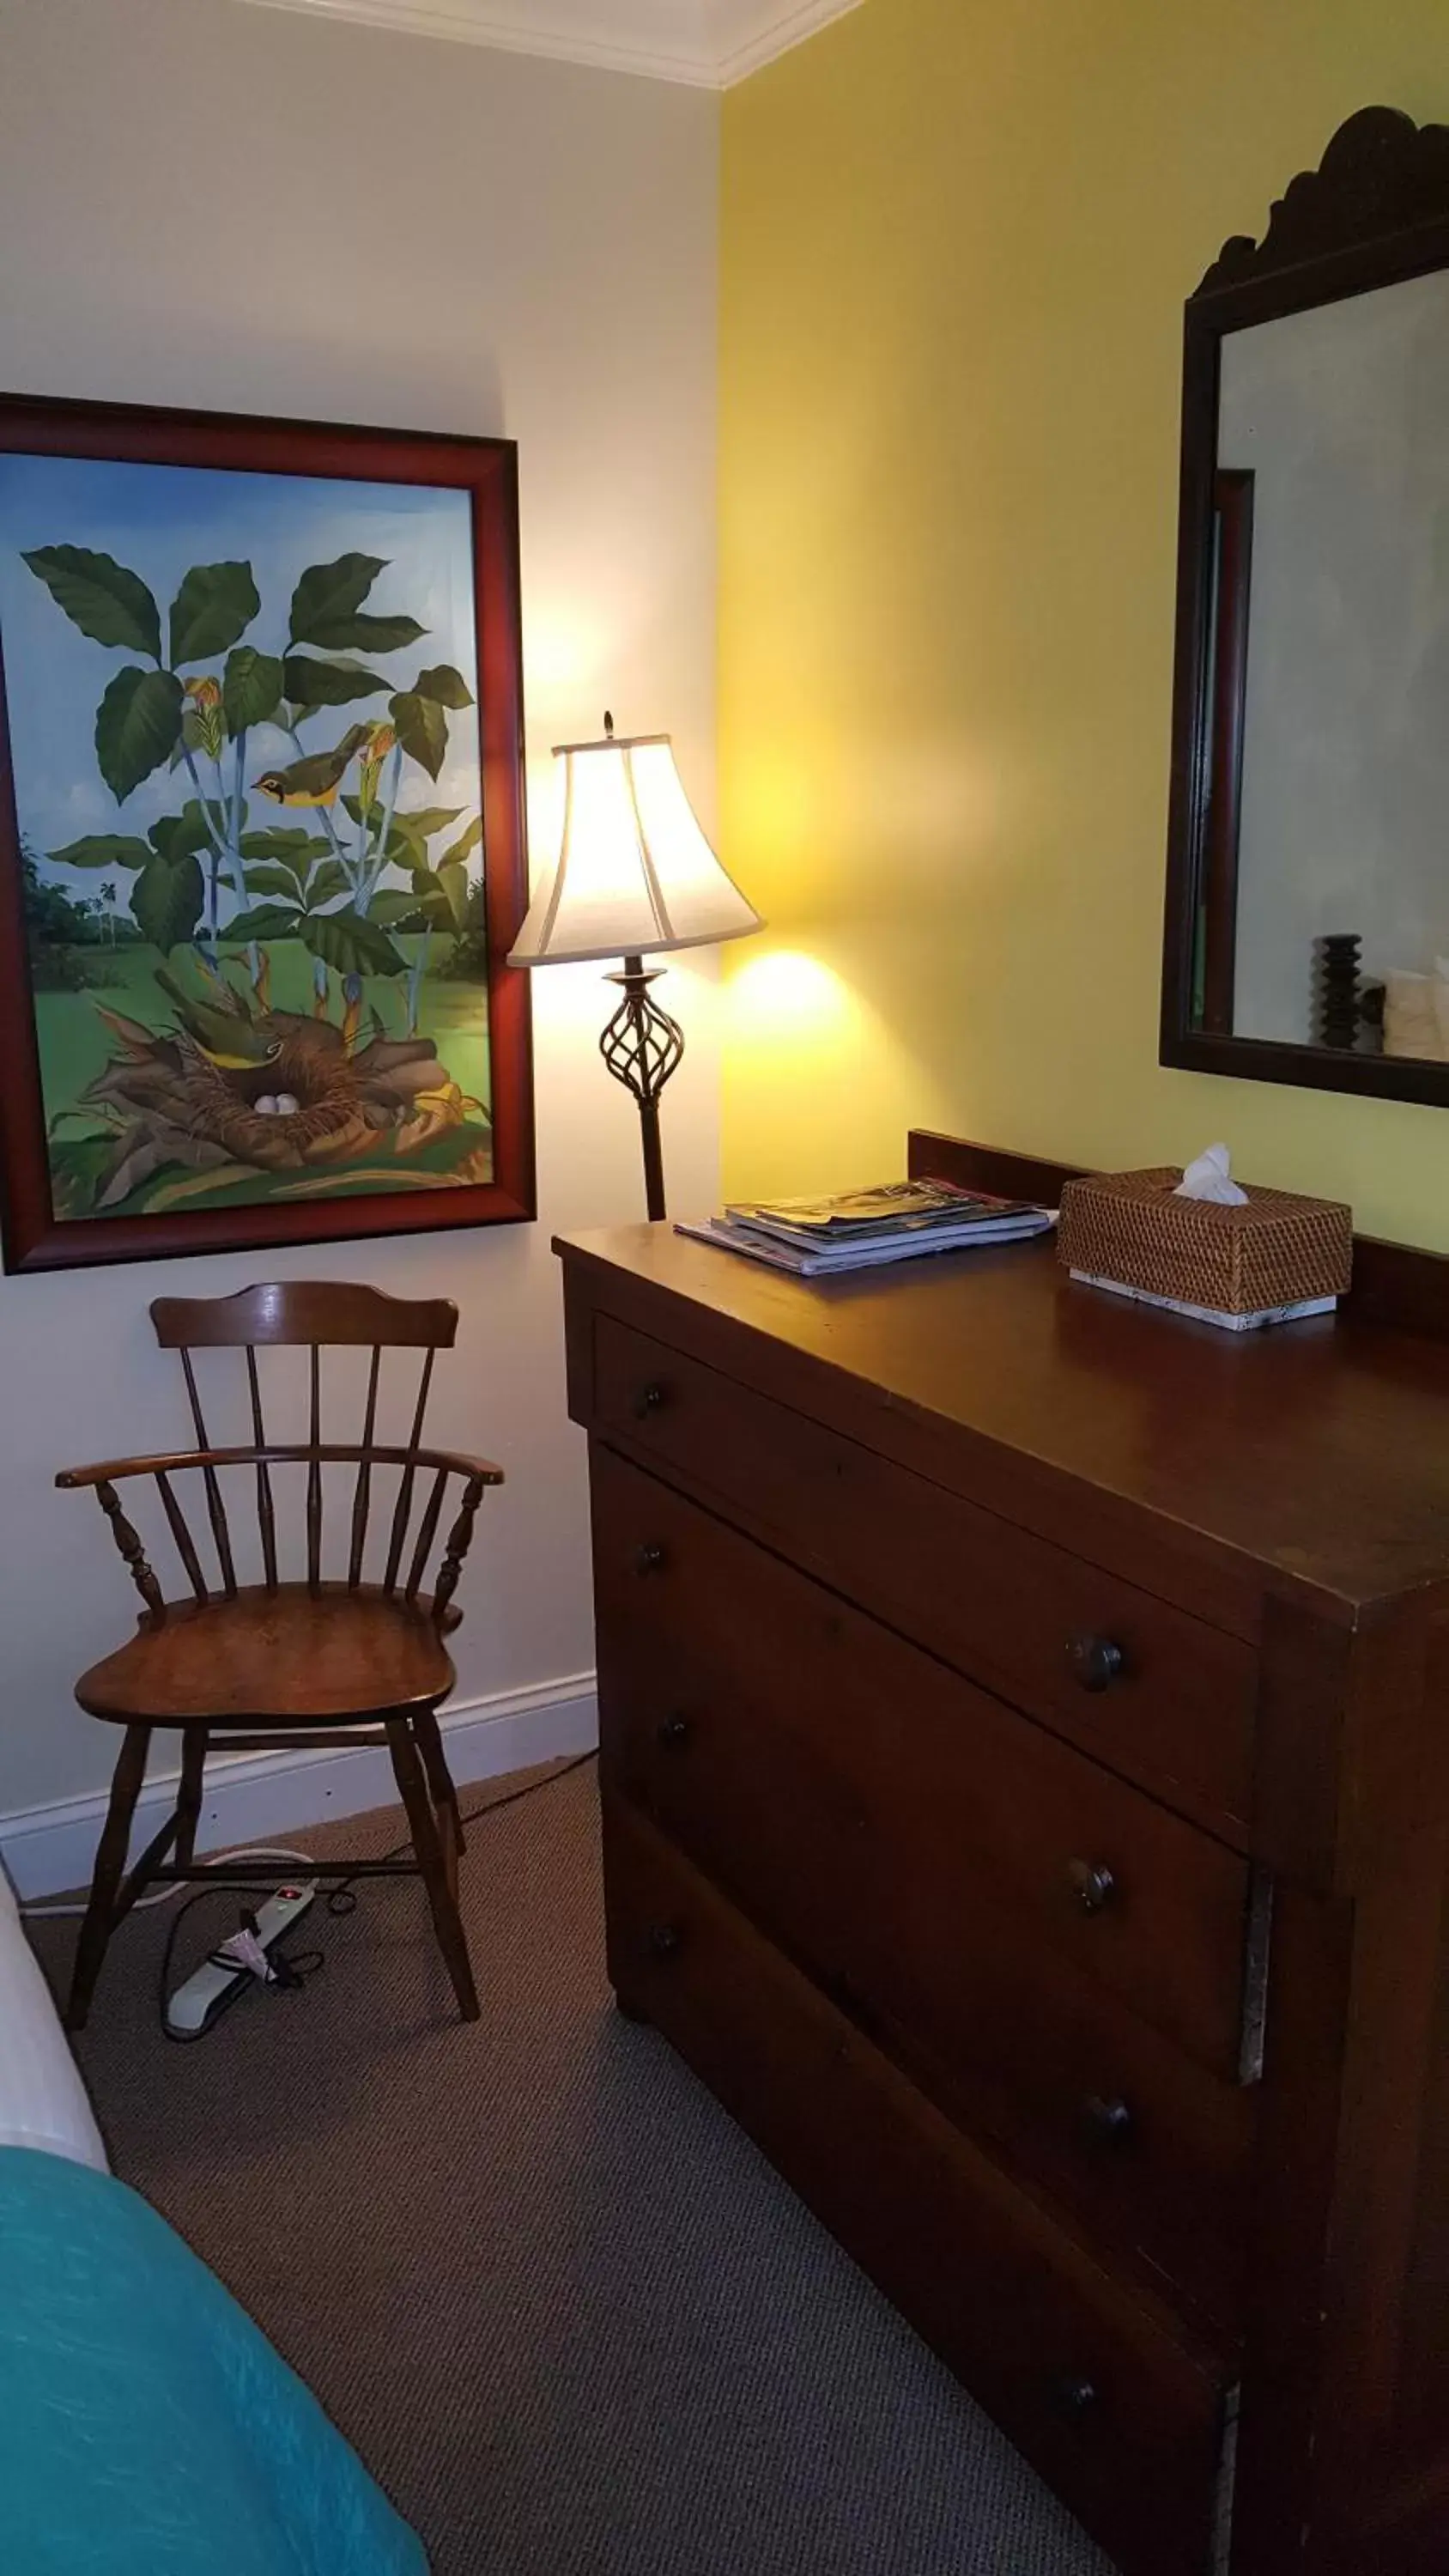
(320, 1661)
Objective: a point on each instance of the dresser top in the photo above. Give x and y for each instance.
(1316, 1451)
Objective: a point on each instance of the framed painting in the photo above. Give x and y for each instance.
(262, 843)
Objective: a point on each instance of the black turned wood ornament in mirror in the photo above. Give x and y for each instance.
(1307, 922)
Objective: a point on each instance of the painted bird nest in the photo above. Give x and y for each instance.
(264, 1092)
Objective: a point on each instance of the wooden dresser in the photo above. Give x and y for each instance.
(1026, 1781)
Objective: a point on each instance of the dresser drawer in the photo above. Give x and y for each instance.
(1101, 2394)
(806, 1719)
(906, 1839)
(1143, 1686)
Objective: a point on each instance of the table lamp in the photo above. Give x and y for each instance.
(635, 876)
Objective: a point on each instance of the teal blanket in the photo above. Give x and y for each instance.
(147, 2428)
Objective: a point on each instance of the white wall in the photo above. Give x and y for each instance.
(207, 204)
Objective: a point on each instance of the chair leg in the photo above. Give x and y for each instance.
(428, 1852)
(440, 1782)
(188, 1801)
(110, 1863)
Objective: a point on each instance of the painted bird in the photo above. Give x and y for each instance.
(315, 779)
(221, 1024)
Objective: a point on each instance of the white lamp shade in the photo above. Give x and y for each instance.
(635, 873)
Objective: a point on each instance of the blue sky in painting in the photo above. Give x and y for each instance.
(159, 521)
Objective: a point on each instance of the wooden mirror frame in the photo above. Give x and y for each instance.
(1375, 211)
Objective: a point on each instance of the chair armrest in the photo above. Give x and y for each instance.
(112, 1471)
(475, 1474)
(481, 1471)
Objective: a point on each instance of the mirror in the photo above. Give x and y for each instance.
(1308, 874)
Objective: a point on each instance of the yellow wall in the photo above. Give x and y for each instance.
(957, 240)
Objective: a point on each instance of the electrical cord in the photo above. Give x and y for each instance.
(491, 1807)
(167, 1895)
(302, 1965)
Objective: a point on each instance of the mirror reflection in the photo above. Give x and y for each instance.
(1323, 891)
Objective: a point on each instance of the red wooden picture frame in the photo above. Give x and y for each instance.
(487, 470)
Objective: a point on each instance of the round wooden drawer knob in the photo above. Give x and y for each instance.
(665, 1940)
(673, 1732)
(1096, 1662)
(650, 1399)
(1092, 1884)
(1108, 2118)
(1073, 2398)
(649, 1559)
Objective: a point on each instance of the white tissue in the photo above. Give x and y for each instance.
(1210, 1177)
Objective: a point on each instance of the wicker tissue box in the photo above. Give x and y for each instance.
(1127, 1229)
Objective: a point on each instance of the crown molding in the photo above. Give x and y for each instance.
(750, 33)
(706, 44)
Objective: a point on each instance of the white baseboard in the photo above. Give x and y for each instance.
(251, 1797)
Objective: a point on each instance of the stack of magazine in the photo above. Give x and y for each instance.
(859, 1229)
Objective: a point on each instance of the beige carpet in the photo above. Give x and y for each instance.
(570, 2318)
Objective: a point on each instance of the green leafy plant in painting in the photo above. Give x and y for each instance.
(341, 865)
(204, 721)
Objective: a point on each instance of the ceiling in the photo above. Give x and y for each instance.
(708, 43)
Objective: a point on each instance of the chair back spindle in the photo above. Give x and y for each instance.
(314, 1476)
(403, 1507)
(185, 1545)
(266, 1514)
(362, 1491)
(427, 1532)
(215, 1507)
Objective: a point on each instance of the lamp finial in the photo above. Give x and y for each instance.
(608, 726)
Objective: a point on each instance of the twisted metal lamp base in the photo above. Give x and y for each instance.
(642, 1045)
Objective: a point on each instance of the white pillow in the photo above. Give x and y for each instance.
(42, 2099)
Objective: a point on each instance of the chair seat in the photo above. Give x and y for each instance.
(291, 1656)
